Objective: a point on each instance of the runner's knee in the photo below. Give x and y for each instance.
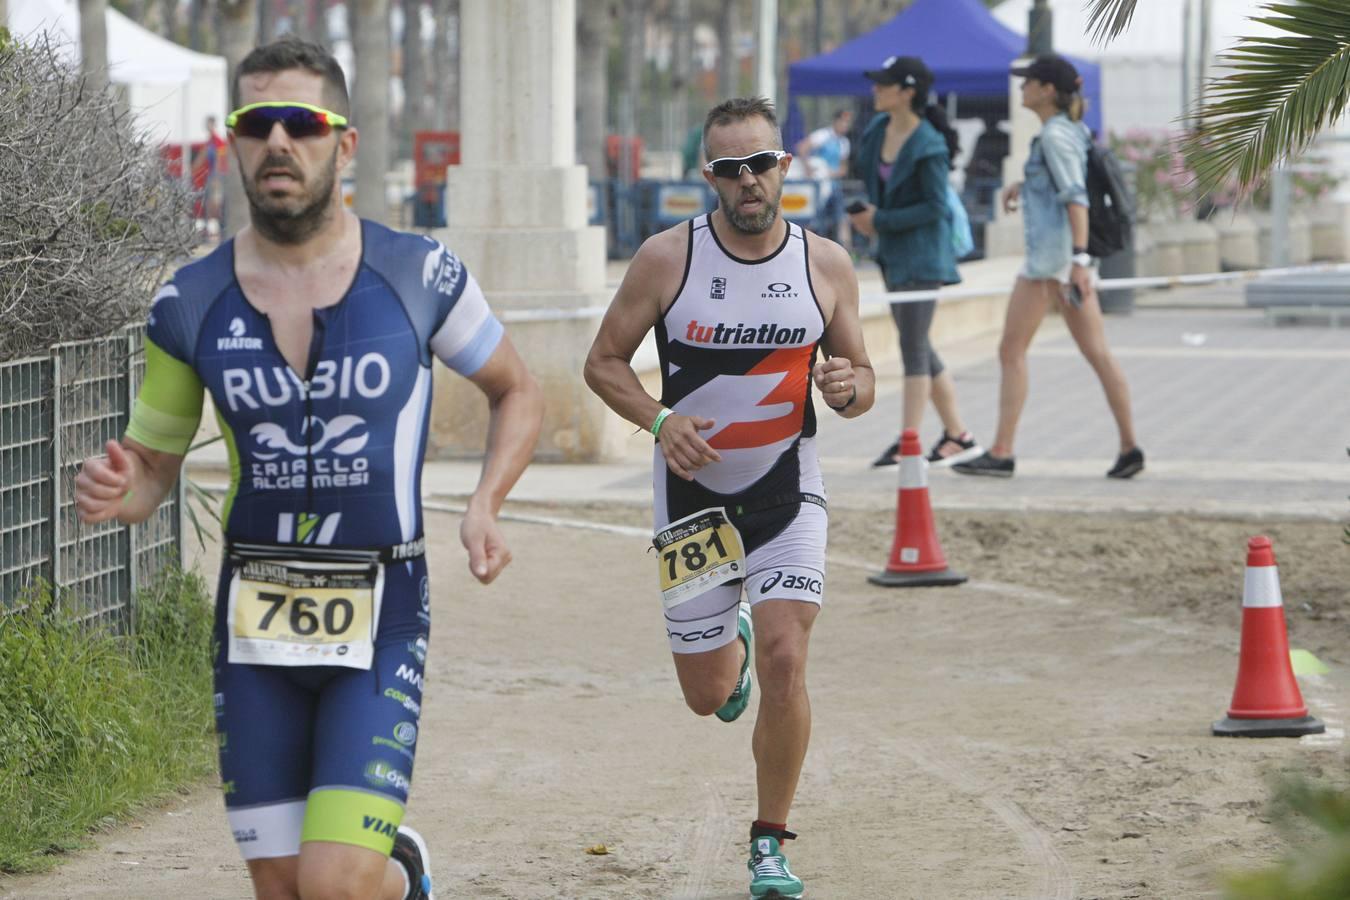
(355, 878)
(274, 878)
(707, 698)
(781, 666)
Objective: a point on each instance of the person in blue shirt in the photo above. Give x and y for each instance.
(315, 333)
(1058, 269)
(824, 154)
(904, 157)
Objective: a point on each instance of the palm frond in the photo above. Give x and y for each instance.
(1283, 89)
(1109, 18)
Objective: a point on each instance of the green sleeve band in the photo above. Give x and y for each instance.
(169, 404)
(352, 816)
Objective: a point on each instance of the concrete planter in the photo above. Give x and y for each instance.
(1239, 240)
(1300, 238)
(1328, 232)
(1199, 247)
(1145, 250)
(1167, 249)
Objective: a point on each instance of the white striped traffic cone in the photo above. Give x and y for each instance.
(916, 554)
(1266, 700)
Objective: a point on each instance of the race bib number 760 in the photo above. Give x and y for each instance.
(304, 614)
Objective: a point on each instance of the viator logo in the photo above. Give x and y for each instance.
(237, 340)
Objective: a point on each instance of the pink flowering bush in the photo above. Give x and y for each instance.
(1164, 178)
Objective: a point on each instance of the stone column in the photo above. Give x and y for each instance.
(516, 208)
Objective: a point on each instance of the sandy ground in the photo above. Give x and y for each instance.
(1041, 732)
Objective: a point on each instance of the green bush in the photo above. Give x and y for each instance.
(93, 726)
(1315, 817)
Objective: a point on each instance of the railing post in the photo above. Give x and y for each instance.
(133, 573)
(55, 475)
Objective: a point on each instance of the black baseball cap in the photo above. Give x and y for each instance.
(906, 71)
(1051, 68)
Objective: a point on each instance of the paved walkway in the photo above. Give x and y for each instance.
(1236, 416)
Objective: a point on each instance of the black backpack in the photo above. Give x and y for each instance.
(1110, 206)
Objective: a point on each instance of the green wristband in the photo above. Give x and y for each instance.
(660, 417)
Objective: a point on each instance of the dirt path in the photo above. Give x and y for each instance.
(1039, 733)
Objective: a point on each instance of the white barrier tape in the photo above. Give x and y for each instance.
(1114, 283)
(554, 314)
(552, 521)
(1261, 588)
(558, 314)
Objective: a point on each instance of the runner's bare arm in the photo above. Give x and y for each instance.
(654, 272)
(845, 380)
(128, 483)
(516, 412)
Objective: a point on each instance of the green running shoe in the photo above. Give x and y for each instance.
(740, 698)
(769, 874)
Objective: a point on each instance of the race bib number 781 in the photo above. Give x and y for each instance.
(698, 553)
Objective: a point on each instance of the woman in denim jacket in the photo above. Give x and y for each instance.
(1057, 268)
(904, 157)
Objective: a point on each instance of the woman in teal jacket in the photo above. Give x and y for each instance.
(904, 158)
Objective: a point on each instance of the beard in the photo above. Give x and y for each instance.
(755, 223)
(291, 220)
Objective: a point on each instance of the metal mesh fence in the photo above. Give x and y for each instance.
(55, 411)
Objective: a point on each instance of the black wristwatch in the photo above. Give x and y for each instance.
(1078, 250)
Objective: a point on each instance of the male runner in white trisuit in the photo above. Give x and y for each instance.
(741, 301)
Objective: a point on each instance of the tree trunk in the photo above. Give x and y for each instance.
(681, 69)
(414, 76)
(445, 65)
(238, 34)
(94, 43)
(196, 12)
(728, 65)
(592, 85)
(267, 25)
(370, 43)
(168, 26)
(634, 32)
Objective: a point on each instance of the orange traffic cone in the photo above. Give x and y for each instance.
(916, 555)
(1266, 700)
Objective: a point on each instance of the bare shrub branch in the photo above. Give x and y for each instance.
(90, 222)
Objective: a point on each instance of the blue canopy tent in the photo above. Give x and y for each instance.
(968, 50)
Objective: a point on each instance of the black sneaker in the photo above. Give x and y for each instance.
(410, 851)
(1128, 464)
(967, 449)
(987, 464)
(888, 457)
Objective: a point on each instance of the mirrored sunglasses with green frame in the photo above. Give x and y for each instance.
(301, 120)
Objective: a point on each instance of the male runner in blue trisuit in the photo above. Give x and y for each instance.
(314, 332)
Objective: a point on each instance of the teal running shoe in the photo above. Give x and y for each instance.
(740, 698)
(769, 873)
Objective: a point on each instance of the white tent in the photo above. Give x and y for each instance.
(172, 89)
(1143, 68)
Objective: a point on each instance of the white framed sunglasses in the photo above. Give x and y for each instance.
(755, 164)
